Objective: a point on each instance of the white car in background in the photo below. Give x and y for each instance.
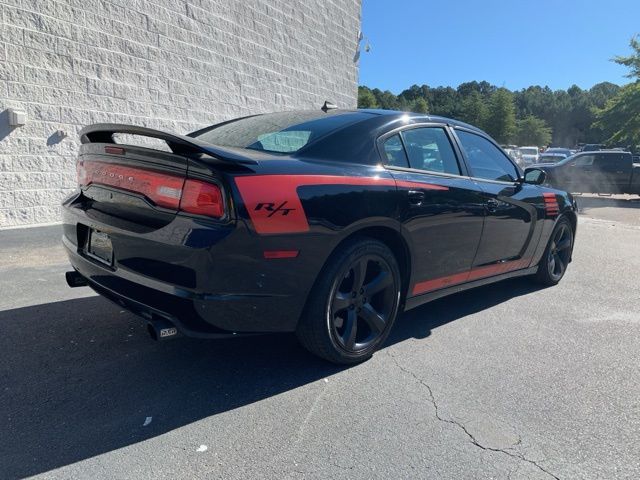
(529, 155)
(514, 154)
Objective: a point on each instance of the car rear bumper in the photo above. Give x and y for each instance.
(195, 315)
(208, 282)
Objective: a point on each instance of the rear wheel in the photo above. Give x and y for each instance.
(557, 255)
(354, 303)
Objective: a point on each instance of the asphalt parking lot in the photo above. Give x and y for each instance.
(507, 381)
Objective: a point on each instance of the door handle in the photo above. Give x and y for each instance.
(492, 205)
(416, 197)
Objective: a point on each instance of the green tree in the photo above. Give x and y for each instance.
(386, 99)
(620, 117)
(366, 99)
(631, 61)
(420, 106)
(570, 114)
(474, 110)
(532, 131)
(501, 119)
(444, 101)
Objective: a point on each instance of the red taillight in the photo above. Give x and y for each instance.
(202, 198)
(164, 190)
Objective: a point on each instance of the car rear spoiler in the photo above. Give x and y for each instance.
(179, 144)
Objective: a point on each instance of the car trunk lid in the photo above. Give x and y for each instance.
(148, 184)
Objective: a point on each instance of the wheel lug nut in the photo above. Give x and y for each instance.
(361, 291)
(353, 294)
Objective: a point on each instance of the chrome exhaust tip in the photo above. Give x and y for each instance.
(161, 329)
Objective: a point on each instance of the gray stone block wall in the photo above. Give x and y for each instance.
(167, 64)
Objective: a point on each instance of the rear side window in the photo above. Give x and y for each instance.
(429, 149)
(394, 152)
(611, 163)
(485, 159)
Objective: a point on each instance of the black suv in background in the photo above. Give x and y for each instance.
(604, 171)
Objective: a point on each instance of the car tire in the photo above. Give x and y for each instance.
(557, 254)
(353, 304)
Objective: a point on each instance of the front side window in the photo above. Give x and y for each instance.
(584, 161)
(394, 152)
(485, 159)
(429, 149)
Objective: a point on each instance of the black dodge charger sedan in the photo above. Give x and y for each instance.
(326, 223)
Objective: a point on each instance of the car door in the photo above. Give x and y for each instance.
(613, 169)
(510, 214)
(579, 174)
(440, 209)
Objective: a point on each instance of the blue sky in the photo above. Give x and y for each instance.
(513, 43)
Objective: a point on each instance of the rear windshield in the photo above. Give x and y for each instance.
(553, 157)
(529, 151)
(283, 132)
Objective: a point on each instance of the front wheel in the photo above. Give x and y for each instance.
(354, 303)
(557, 255)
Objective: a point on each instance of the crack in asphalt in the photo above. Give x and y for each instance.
(462, 427)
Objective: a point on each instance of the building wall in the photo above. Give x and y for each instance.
(167, 64)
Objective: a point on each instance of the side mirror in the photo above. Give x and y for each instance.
(535, 176)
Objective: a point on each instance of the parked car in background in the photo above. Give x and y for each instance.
(545, 158)
(565, 152)
(514, 154)
(592, 147)
(324, 223)
(604, 171)
(529, 155)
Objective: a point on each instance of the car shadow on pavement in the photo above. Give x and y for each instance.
(79, 377)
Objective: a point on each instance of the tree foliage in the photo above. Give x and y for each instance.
(366, 99)
(420, 106)
(501, 119)
(570, 114)
(619, 119)
(631, 61)
(532, 131)
(474, 109)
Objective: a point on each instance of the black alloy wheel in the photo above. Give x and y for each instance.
(353, 304)
(363, 298)
(557, 255)
(560, 251)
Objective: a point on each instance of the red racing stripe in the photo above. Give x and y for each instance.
(274, 205)
(473, 274)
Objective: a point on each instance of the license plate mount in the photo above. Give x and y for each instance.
(99, 247)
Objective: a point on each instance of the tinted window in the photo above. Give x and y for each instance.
(430, 149)
(485, 159)
(584, 160)
(394, 152)
(283, 132)
(612, 162)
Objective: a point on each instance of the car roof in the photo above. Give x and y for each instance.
(418, 116)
